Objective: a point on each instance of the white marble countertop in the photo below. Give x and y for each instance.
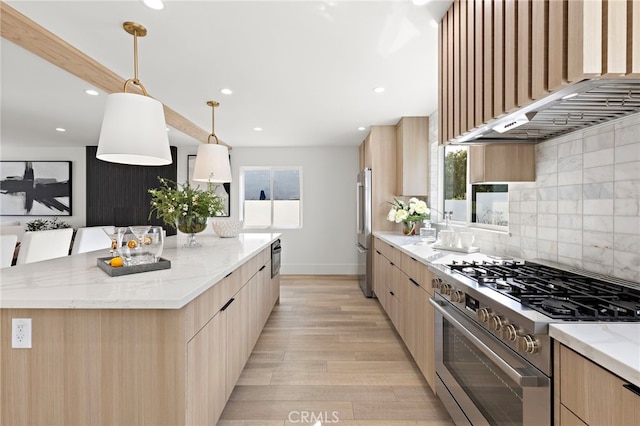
(614, 346)
(77, 282)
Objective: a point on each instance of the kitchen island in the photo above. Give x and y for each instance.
(160, 347)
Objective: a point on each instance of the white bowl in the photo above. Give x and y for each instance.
(226, 228)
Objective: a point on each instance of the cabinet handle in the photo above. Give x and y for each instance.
(414, 282)
(229, 274)
(226, 305)
(378, 252)
(263, 266)
(392, 264)
(391, 293)
(415, 260)
(633, 388)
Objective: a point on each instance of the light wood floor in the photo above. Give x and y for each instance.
(330, 354)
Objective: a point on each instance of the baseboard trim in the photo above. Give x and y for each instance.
(318, 276)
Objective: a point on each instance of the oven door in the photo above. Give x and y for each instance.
(480, 380)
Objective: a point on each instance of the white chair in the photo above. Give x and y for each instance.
(44, 245)
(91, 239)
(7, 248)
(17, 230)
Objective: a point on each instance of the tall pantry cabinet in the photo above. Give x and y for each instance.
(378, 152)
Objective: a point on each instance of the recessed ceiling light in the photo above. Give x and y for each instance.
(420, 2)
(167, 129)
(257, 129)
(570, 95)
(91, 92)
(60, 129)
(378, 89)
(362, 128)
(154, 4)
(226, 91)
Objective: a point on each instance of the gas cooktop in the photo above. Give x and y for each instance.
(556, 293)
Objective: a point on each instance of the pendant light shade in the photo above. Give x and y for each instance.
(212, 164)
(212, 160)
(134, 130)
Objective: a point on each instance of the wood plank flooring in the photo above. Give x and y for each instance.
(329, 354)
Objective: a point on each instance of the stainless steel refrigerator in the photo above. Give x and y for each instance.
(363, 221)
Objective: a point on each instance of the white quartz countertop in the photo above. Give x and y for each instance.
(614, 346)
(77, 282)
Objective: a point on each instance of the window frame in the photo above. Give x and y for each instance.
(271, 169)
(469, 196)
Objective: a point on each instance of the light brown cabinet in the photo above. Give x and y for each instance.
(412, 156)
(522, 50)
(137, 366)
(403, 286)
(378, 152)
(588, 394)
(502, 163)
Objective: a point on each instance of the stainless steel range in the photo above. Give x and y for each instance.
(494, 357)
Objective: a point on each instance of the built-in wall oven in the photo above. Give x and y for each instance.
(494, 356)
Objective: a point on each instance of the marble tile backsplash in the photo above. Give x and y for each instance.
(583, 210)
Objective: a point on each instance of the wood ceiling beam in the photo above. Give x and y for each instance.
(29, 35)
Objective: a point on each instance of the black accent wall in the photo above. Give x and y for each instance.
(117, 194)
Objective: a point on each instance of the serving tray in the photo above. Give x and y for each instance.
(103, 263)
(471, 249)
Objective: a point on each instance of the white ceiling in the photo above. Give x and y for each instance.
(304, 71)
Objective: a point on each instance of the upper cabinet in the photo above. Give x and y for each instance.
(502, 56)
(502, 163)
(412, 156)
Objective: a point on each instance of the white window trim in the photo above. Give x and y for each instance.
(242, 169)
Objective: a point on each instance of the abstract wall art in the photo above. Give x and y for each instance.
(35, 188)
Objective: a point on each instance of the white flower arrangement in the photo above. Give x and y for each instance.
(415, 211)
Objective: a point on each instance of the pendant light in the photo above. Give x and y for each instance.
(212, 160)
(134, 130)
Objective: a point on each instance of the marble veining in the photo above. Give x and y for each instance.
(76, 281)
(614, 346)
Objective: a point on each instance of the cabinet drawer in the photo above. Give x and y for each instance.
(388, 251)
(594, 394)
(417, 271)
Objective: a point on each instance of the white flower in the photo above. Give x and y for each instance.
(391, 216)
(401, 215)
(421, 208)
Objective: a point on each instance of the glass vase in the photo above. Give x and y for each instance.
(409, 227)
(191, 225)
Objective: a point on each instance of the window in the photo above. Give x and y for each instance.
(271, 197)
(488, 204)
(455, 182)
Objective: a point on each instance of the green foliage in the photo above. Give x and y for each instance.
(46, 224)
(172, 200)
(455, 175)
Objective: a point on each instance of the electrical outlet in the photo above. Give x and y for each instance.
(21, 333)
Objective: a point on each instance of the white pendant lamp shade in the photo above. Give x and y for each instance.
(212, 164)
(134, 131)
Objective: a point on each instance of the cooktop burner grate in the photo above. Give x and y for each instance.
(556, 293)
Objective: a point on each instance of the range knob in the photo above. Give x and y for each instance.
(436, 283)
(484, 314)
(445, 288)
(496, 322)
(457, 296)
(528, 344)
(510, 332)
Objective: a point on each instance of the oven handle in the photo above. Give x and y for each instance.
(523, 381)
